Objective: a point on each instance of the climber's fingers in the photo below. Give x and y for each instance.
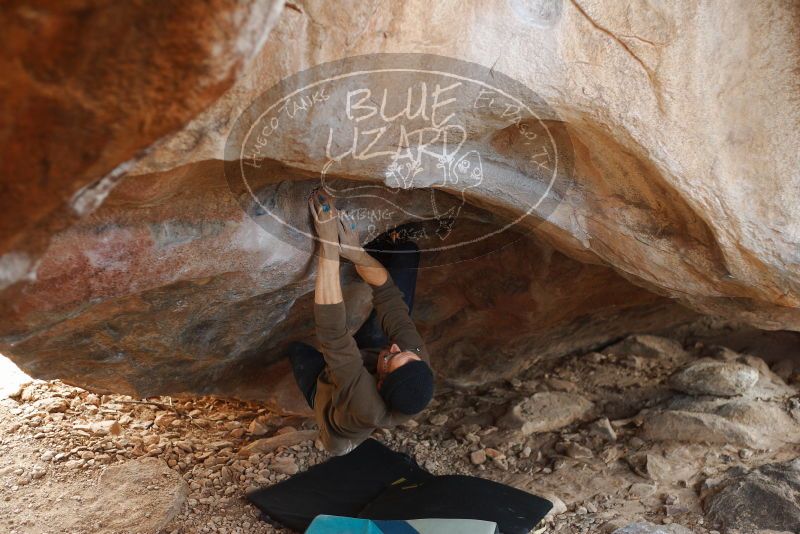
(324, 205)
(314, 209)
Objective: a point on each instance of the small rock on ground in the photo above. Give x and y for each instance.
(546, 412)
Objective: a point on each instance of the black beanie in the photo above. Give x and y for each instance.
(408, 389)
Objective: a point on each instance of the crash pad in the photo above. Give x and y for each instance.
(377, 483)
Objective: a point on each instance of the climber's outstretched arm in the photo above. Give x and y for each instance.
(328, 289)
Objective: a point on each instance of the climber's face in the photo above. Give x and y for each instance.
(393, 359)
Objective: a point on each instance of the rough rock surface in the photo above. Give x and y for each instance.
(220, 332)
(118, 501)
(756, 418)
(546, 412)
(766, 498)
(126, 265)
(743, 424)
(89, 86)
(710, 377)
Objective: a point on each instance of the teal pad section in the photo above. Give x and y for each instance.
(331, 524)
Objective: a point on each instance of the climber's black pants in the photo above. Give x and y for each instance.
(307, 362)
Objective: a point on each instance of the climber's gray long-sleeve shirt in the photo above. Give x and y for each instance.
(347, 405)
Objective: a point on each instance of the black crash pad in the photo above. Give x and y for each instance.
(375, 482)
(341, 486)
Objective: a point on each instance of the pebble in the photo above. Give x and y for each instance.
(558, 505)
(439, 419)
(478, 457)
(578, 452)
(602, 428)
(642, 491)
(494, 453)
(164, 420)
(73, 464)
(38, 472)
(675, 509)
(258, 427)
(636, 442)
(28, 394)
(610, 455)
(284, 466)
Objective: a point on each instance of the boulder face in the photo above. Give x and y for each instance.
(132, 259)
(88, 87)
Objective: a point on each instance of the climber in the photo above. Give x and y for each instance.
(380, 377)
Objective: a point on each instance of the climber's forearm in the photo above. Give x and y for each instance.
(328, 289)
(371, 271)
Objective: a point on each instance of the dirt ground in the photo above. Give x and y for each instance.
(75, 462)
